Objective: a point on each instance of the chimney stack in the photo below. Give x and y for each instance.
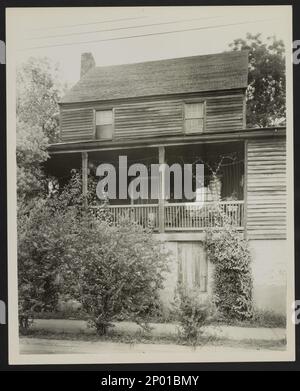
(87, 63)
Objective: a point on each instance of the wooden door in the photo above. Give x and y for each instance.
(192, 265)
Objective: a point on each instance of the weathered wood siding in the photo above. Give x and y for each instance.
(146, 119)
(225, 113)
(192, 265)
(77, 124)
(158, 117)
(266, 188)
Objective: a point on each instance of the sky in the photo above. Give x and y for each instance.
(126, 35)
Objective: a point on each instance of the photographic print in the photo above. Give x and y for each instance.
(150, 190)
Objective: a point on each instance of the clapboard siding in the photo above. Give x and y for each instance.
(77, 124)
(157, 117)
(266, 189)
(224, 114)
(146, 119)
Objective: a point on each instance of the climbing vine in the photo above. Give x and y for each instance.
(229, 252)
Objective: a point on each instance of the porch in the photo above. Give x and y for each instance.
(165, 212)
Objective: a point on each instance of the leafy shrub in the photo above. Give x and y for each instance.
(67, 249)
(44, 237)
(119, 271)
(47, 229)
(31, 153)
(229, 252)
(192, 314)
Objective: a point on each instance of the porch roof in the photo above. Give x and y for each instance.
(96, 145)
(212, 72)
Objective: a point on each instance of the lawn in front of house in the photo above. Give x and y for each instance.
(160, 333)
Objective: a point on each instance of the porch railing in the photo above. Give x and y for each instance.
(181, 216)
(144, 214)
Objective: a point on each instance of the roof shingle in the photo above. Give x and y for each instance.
(228, 70)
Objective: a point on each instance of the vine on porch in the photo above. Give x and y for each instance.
(229, 251)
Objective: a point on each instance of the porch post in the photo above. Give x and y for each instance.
(245, 205)
(84, 159)
(161, 200)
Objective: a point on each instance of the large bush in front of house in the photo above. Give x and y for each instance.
(119, 271)
(66, 249)
(47, 229)
(44, 237)
(229, 252)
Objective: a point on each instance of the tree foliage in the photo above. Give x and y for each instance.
(230, 254)
(266, 97)
(191, 313)
(44, 237)
(65, 248)
(31, 152)
(38, 94)
(118, 271)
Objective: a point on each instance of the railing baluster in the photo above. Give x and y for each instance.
(179, 216)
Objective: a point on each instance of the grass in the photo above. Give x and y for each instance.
(269, 319)
(132, 337)
(142, 337)
(266, 319)
(139, 336)
(67, 315)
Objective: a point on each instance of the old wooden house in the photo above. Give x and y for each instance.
(182, 110)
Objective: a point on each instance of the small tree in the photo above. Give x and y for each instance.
(191, 312)
(38, 94)
(119, 271)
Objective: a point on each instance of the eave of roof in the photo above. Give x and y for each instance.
(96, 145)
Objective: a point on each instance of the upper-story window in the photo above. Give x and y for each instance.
(104, 124)
(194, 117)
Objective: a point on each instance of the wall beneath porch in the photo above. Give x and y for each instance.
(171, 242)
(269, 274)
(268, 268)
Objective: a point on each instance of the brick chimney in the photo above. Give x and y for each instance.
(87, 63)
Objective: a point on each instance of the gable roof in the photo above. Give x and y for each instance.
(228, 70)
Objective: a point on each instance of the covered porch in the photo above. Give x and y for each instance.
(166, 213)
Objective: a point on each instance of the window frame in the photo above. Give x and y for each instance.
(104, 108)
(191, 101)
